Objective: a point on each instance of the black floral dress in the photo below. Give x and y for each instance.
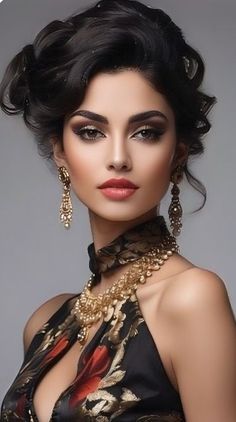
(120, 374)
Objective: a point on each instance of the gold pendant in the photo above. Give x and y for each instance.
(83, 335)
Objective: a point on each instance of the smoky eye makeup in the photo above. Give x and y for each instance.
(86, 132)
(149, 133)
(145, 132)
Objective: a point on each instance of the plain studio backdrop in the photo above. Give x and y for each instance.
(38, 257)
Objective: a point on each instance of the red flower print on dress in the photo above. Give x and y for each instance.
(89, 378)
(59, 346)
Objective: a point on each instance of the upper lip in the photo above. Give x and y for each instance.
(118, 183)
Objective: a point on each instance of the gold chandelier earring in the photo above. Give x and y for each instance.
(66, 204)
(175, 210)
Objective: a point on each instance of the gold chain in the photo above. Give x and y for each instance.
(89, 309)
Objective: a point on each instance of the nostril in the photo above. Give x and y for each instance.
(122, 163)
(119, 165)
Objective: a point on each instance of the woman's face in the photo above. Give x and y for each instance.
(117, 142)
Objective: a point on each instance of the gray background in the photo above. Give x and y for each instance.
(38, 258)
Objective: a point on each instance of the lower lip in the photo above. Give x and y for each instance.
(118, 193)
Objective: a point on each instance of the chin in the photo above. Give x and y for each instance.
(123, 215)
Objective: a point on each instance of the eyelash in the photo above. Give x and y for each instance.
(81, 130)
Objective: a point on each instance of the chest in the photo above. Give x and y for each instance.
(110, 377)
(59, 379)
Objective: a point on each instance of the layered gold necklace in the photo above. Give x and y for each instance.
(89, 309)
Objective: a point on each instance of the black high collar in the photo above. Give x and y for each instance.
(127, 247)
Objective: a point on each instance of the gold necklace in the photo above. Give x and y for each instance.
(89, 309)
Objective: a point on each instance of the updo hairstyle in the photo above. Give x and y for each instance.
(47, 80)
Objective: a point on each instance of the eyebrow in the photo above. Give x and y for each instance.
(133, 119)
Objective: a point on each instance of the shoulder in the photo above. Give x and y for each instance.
(42, 315)
(202, 348)
(195, 303)
(195, 290)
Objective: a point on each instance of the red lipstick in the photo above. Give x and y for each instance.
(118, 183)
(118, 188)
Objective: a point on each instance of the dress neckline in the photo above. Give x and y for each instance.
(88, 348)
(128, 246)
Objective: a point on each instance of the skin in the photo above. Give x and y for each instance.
(186, 308)
(118, 150)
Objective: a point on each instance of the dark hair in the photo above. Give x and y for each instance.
(47, 80)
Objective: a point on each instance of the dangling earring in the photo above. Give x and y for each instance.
(175, 210)
(66, 204)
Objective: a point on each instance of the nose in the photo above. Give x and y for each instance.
(119, 157)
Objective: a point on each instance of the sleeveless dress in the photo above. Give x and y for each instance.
(120, 375)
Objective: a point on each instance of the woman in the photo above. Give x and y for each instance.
(112, 95)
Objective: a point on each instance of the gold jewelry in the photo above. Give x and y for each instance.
(175, 210)
(89, 309)
(66, 204)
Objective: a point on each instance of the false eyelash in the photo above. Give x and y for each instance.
(81, 129)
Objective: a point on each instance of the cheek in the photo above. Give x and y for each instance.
(157, 163)
(81, 167)
(156, 171)
(157, 179)
(81, 160)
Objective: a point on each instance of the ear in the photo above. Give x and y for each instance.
(181, 154)
(58, 152)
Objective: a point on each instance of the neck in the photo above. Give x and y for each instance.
(104, 231)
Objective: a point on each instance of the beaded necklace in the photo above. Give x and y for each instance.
(149, 245)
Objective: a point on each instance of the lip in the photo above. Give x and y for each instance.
(118, 193)
(119, 184)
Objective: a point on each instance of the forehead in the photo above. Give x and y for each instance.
(125, 92)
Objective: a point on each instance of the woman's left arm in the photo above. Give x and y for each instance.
(204, 347)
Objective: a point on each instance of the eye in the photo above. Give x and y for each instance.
(150, 134)
(87, 133)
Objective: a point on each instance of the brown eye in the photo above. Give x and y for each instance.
(87, 133)
(149, 134)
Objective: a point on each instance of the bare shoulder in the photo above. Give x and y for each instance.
(202, 344)
(195, 288)
(42, 315)
(194, 304)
